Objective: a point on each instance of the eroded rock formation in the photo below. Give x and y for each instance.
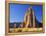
(29, 18)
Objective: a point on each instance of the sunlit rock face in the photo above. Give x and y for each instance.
(29, 18)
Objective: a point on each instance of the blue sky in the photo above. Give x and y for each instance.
(17, 12)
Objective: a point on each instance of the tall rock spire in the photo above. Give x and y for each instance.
(29, 18)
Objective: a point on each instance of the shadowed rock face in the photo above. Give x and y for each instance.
(27, 18)
(38, 24)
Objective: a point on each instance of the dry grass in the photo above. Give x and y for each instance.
(25, 29)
